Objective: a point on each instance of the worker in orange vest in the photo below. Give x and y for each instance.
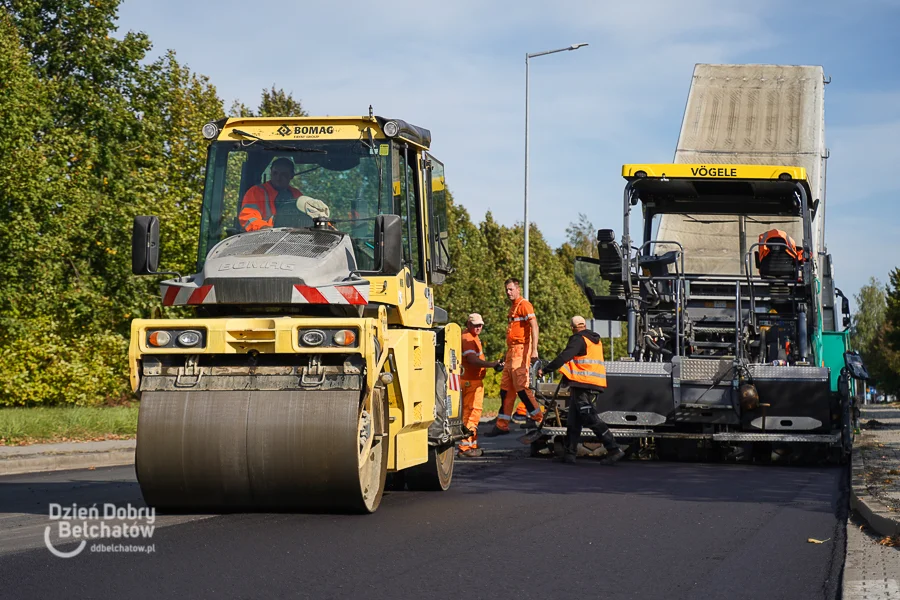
(521, 350)
(582, 367)
(276, 203)
(474, 367)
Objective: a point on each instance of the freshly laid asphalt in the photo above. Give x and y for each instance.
(509, 527)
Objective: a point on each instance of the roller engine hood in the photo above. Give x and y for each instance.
(274, 266)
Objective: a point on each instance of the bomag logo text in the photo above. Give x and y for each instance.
(286, 130)
(256, 264)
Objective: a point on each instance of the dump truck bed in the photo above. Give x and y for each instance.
(749, 114)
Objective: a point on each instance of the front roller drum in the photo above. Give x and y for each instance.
(284, 450)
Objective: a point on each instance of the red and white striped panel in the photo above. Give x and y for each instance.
(331, 294)
(177, 295)
(453, 382)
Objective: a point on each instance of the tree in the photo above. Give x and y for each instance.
(95, 74)
(876, 332)
(582, 236)
(581, 240)
(886, 349)
(871, 302)
(273, 103)
(92, 137)
(892, 310)
(43, 292)
(277, 103)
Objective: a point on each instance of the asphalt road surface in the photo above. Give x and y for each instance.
(509, 527)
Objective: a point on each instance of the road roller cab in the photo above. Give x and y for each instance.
(304, 365)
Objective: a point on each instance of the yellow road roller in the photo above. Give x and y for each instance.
(308, 367)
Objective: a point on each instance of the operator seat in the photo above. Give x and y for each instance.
(609, 254)
(777, 256)
(778, 260)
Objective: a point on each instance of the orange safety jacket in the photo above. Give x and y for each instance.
(259, 205)
(472, 345)
(589, 369)
(773, 234)
(519, 329)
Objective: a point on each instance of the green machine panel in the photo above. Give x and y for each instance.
(835, 343)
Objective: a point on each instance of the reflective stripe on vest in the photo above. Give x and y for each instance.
(269, 203)
(589, 369)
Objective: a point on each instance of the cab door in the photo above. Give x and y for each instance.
(438, 230)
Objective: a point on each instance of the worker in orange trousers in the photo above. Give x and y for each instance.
(521, 350)
(474, 369)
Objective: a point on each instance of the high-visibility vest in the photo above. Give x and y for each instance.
(259, 203)
(588, 369)
(791, 249)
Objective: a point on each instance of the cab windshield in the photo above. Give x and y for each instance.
(255, 184)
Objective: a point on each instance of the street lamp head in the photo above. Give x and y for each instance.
(576, 46)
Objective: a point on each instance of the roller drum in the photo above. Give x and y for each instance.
(252, 450)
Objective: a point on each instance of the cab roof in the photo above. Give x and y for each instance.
(319, 128)
(727, 171)
(718, 189)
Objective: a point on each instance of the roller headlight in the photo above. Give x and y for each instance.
(344, 337)
(159, 338)
(210, 131)
(313, 337)
(189, 338)
(391, 128)
(176, 339)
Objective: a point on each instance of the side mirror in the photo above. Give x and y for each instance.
(845, 306)
(145, 245)
(389, 241)
(854, 363)
(847, 321)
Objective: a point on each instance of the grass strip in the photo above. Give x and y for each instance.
(491, 407)
(21, 426)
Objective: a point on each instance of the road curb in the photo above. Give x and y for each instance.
(38, 459)
(876, 514)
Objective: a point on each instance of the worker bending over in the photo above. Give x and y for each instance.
(582, 367)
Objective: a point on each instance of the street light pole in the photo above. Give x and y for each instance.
(527, 58)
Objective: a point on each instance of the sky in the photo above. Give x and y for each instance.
(457, 68)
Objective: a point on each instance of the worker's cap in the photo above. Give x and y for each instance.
(578, 321)
(475, 319)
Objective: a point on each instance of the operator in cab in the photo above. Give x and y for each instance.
(276, 203)
(582, 367)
